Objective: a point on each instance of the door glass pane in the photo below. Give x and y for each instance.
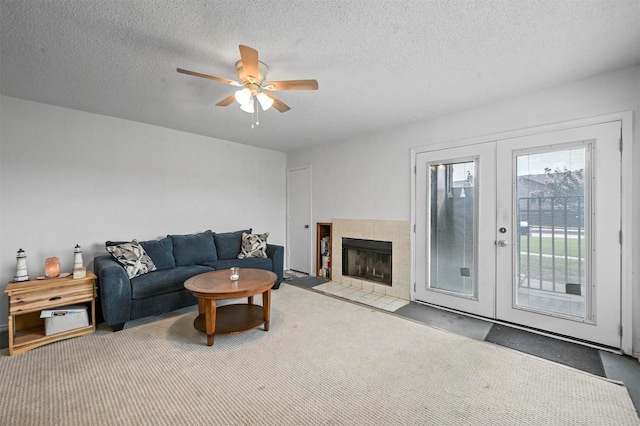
(452, 227)
(551, 247)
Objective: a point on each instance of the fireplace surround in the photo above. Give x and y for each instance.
(396, 232)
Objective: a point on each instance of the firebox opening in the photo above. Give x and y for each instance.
(367, 259)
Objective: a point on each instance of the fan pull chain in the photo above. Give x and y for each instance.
(255, 112)
(256, 108)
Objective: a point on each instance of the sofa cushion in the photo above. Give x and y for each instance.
(253, 245)
(161, 252)
(250, 262)
(228, 243)
(132, 257)
(167, 281)
(193, 249)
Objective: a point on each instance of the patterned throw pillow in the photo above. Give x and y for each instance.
(133, 257)
(253, 245)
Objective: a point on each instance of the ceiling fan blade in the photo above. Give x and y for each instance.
(227, 101)
(249, 58)
(210, 77)
(277, 103)
(291, 85)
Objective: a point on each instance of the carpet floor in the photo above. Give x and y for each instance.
(567, 353)
(324, 361)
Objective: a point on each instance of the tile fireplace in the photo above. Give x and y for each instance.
(388, 259)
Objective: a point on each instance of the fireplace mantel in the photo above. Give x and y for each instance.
(396, 231)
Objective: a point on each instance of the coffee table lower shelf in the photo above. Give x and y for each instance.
(233, 319)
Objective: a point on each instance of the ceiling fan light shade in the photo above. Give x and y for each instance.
(248, 107)
(265, 101)
(243, 96)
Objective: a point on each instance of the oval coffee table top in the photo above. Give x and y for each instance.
(218, 284)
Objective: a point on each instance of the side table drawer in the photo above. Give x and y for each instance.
(48, 298)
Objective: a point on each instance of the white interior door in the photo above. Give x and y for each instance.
(299, 219)
(525, 230)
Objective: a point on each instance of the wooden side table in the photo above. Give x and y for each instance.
(28, 298)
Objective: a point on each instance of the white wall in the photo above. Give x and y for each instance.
(69, 177)
(369, 177)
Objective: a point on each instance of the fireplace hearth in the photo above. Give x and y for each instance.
(367, 259)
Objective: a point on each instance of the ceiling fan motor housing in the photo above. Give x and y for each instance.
(251, 82)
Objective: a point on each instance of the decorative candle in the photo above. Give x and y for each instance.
(52, 267)
(235, 273)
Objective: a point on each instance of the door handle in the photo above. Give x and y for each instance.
(502, 243)
(306, 227)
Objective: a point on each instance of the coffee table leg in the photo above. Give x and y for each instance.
(210, 319)
(266, 308)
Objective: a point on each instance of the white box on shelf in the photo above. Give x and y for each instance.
(64, 319)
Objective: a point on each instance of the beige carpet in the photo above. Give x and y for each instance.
(324, 361)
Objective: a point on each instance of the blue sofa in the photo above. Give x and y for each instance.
(176, 258)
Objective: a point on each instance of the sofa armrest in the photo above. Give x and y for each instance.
(114, 289)
(276, 254)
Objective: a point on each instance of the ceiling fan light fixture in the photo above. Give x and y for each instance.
(265, 101)
(248, 107)
(243, 96)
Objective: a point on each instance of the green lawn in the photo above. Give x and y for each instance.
(543, 270)
(565, 269)
(551, 245)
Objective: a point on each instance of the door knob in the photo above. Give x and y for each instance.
(306, 227)
(502, 243)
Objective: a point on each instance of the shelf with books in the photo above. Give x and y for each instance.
(323, 250)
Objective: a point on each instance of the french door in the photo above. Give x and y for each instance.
(456, 216)
(525, 230)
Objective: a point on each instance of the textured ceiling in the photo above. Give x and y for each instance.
(378, 63)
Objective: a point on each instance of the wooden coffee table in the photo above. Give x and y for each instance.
(233, 318)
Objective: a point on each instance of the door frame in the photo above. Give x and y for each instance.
(309, 219)
(626, 225)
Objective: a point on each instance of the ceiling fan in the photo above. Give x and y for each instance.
(252, 74)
